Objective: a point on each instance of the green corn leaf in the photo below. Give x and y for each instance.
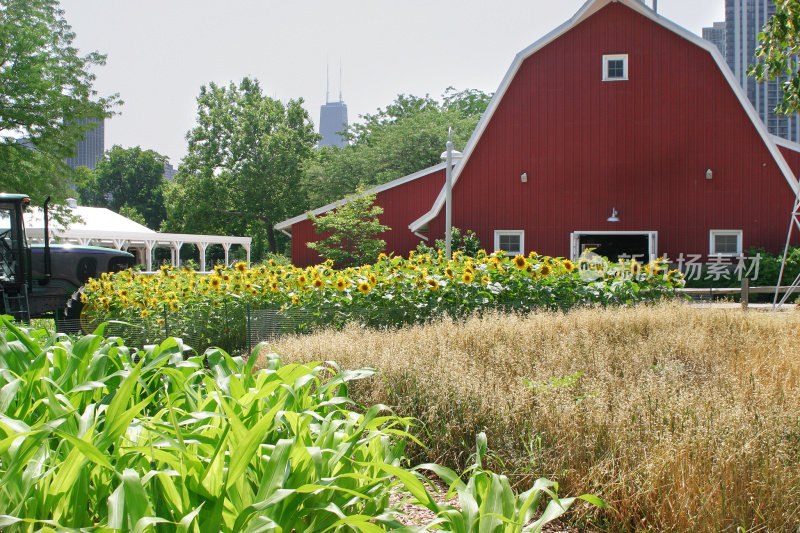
(246, 449)
(87, 449)
(186, 521)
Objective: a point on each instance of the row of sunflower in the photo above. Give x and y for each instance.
(395, 290)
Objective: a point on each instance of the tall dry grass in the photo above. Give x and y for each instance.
(683, 419)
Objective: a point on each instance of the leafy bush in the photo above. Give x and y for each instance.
(467, 243)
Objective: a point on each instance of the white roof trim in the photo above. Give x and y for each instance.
(589, 9)
(786, 143)
(286, 224)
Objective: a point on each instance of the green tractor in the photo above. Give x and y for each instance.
(45, 280)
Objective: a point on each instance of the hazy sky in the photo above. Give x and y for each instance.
(161, 51)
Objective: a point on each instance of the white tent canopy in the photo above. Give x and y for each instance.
(102, 227)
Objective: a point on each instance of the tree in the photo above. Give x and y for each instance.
(242, 172)
(778, 51)
(131, 178)
(45, 91)
(408, 136)
(353, 229)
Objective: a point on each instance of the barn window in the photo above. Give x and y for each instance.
(510, 241)
(615, 67)
(725, 242)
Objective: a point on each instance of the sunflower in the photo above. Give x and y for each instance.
(240, 267)
(373, 280)
(449, 272)
(215, 282)
(635, 267)
(340, 284)
(295, 300)
(174, 305)
(544, 269)
(432, 284)
(382, 256)
(317, 283)
(533, 255)
(364, 287)
(569, 266)
(226, 277)
(520, 262)
(274, 287)
(485, 280)
(467, 277)
(144, 313)
(301, 279)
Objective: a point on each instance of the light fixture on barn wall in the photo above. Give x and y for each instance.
(709, 174)
(613, 217)
(524, 177)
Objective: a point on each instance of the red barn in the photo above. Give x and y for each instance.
(620, 131)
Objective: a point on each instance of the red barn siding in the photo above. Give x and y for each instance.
(642, 146)
(401, 205)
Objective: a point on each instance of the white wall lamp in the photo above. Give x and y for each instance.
(613, 217)
(709, 174)
(524, 177)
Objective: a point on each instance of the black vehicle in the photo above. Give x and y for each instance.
(45, 280)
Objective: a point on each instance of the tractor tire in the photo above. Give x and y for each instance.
(72, 320)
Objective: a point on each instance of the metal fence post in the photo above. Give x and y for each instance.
(166, 322)
(249, 331)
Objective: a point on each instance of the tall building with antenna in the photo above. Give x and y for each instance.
(333, 117)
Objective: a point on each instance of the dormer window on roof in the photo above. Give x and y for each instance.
(615, 67)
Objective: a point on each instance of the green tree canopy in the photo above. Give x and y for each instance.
(778, 52)
(45, 90)
(352, 230)
(243, 168)
(408, 136)
(128, 177)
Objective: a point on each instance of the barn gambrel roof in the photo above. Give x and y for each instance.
(590, 8)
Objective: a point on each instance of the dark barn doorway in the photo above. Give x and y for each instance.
(614, 246)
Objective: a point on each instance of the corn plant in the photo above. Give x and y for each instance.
(95, 436)
(488, 503)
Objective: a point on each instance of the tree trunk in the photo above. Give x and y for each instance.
(273, 246)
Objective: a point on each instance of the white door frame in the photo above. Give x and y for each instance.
(652, 239)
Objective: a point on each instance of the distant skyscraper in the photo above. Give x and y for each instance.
(91, 148)
(169, 171)
(743, 21)
(333, 119)
(716, 36)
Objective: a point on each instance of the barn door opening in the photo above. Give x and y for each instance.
(615, 246)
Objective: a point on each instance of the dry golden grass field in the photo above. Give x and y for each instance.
(682, 419)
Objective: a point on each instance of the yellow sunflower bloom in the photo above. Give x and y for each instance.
(545, 269)
(467, 277)
(241, 267)
(340, 284)
(449, 272)
(144, 313)
(215, 282)
(520, 262)
(364, 287)
(485, 280)
(317, 283)
(569, 266)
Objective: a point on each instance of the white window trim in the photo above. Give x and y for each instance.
(499, 232)
(739, 241)
(652, 241)
(614, 57)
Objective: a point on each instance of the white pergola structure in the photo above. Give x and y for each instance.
(103, 227)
